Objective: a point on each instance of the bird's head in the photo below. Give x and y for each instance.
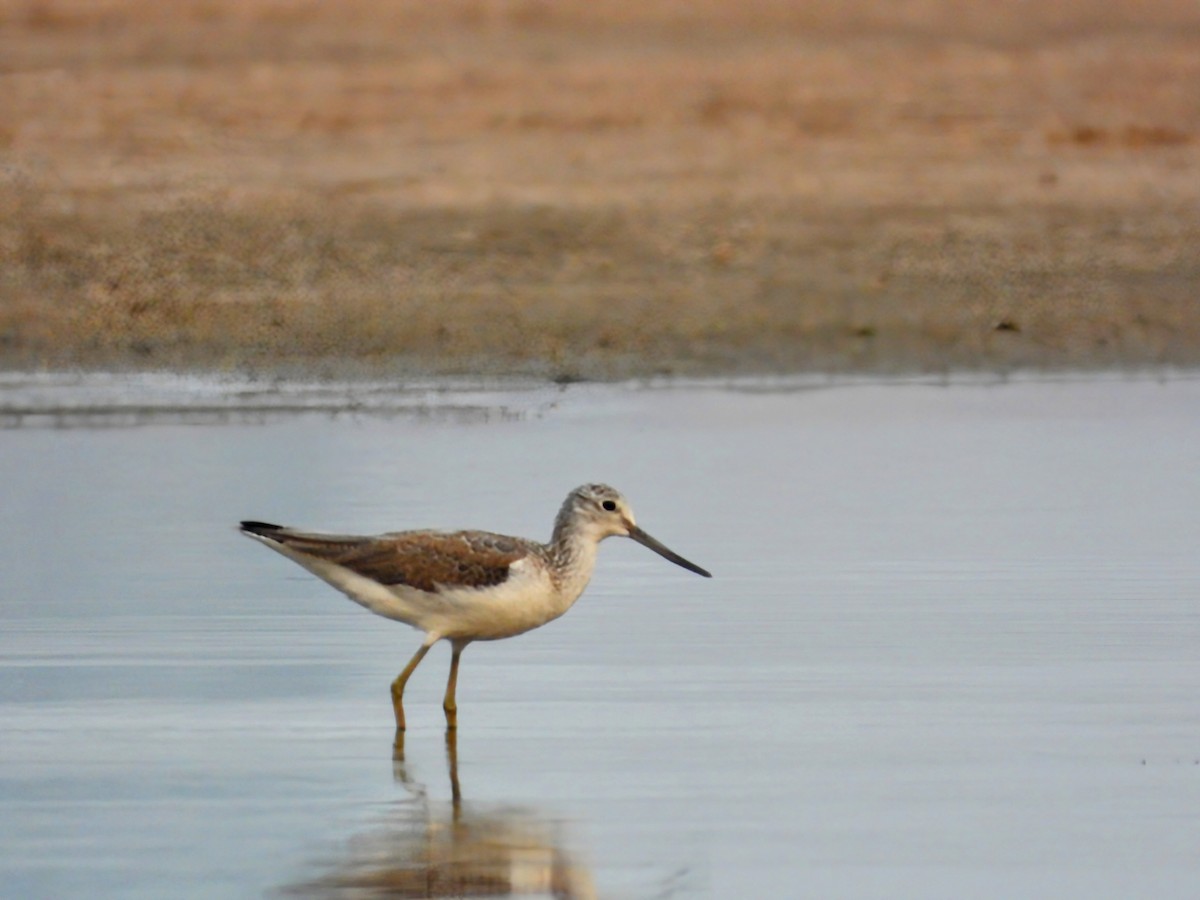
(600, 511)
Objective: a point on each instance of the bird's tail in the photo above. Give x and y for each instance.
(259, 529)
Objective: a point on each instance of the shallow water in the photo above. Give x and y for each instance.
(949, 649)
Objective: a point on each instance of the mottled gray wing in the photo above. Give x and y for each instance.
(423, 560)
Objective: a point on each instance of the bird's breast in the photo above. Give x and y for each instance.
(527, 599)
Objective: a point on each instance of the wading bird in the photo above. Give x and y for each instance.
(464, 586)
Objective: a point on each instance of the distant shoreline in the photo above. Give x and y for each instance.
(579, 191)
(110, 399)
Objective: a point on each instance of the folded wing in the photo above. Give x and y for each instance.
(424, 560)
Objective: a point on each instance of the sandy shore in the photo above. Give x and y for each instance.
(599, 189)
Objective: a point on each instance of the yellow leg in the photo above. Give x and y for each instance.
(402, 680)
(448, 704)
(452, 762)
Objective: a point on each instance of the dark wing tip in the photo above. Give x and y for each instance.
(264, 529)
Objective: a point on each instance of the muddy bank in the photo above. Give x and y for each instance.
(596, 191)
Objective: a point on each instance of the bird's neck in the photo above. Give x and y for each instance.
(572, 553)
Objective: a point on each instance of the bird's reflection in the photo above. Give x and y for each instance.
(426, 849)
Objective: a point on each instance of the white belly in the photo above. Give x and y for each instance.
(525, 600)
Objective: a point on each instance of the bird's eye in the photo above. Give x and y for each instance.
(610, 505)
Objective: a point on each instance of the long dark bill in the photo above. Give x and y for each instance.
(646, 541)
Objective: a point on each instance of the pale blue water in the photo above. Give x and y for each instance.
(950, 648)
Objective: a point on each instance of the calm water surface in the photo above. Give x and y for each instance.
(950, 650)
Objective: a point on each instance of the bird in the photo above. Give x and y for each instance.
(465, 586)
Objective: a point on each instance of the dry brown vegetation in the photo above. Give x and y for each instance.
(599, 189)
